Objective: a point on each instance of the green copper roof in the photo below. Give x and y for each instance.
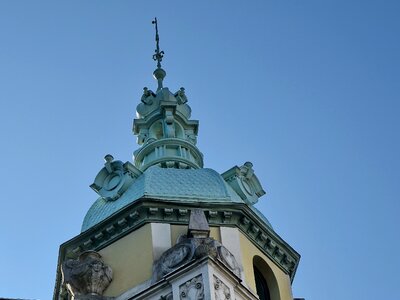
(163, 127)
(168, 165)
(188, 185)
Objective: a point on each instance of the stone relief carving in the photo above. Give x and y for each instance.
(169, 123)
(115, 178)
(172, 259)
(192, 289)
(143, 136)
(87, 275)
(221, 290)
(244, 181)
(229, 260)
(195, 245)
(191, 137)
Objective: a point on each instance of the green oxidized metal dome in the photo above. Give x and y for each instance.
(168, 165)
(167, 184)
(189, 185)
(175, 185)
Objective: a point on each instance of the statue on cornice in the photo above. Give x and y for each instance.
(87, 275)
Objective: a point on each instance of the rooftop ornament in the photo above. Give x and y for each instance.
(159, 73)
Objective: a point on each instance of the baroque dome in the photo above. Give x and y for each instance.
(174, 185)
(188, 185)
(168, 166)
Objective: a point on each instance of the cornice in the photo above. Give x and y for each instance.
(146, 149)
(185, 153)
(155, 116)
(147, 210)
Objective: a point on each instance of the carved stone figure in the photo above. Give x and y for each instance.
(181, 96)
(148, 96)
(195, 245)
(87, 275)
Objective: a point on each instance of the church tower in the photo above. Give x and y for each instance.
(164, 227)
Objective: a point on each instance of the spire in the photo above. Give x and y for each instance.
(163, 127)
(158, 73)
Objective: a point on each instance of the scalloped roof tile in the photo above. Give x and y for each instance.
(191, 185)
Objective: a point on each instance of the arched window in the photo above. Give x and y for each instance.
(261, 285)
(156, 130)
(265, 280)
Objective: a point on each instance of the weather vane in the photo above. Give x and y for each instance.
(159, 54)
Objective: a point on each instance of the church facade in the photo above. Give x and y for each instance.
(165, 227)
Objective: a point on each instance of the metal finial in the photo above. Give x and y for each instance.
(158, 54)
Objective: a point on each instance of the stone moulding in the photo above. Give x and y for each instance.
(197, 268)
(146, 210)
(167, 297)
(143, 124)
(193, 156)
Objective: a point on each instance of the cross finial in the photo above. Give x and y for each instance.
(158, 54)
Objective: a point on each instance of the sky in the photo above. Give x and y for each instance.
(306, 90)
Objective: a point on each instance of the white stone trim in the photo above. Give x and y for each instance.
(161, 239)
(230, 238)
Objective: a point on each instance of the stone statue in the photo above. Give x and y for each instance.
(195, 245)
(87, 275)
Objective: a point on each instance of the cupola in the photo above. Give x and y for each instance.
(165, 228)
(163, 127)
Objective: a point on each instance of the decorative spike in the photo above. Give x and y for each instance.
(159, 73)
(158, 54)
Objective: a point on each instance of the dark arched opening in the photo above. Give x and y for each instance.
(265, 281)
(261, 285)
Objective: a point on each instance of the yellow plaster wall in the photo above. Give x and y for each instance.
(215, 233)
(249, 250)
(131, 259)
(177, 230)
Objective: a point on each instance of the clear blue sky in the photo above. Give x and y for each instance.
(306, 90)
